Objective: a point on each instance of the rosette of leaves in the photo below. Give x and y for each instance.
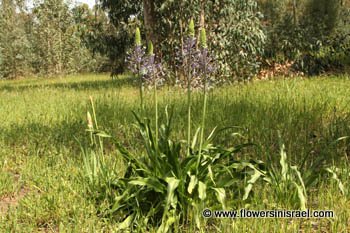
(161, 188)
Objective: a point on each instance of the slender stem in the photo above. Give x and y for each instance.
(141, 97)
(156, 112)
(100, 140)
(189, 103)
(141, 88)
(204, 112)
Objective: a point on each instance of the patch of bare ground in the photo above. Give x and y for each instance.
(9, 201)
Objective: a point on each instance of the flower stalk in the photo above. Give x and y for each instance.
(136, 61)
(203, 45)
(151, 58)
(190, 44)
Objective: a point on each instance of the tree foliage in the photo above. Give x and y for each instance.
(56, 37)
(14, 45)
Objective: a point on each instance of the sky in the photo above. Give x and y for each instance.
(91, 3)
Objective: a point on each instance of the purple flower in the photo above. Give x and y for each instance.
(154, 72)
(199, 64)
(136, 61)
(205, 65)
(187, 59)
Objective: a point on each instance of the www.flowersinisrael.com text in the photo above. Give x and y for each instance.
(244, 213)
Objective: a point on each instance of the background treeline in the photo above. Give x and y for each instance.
(56, 37)
(52, 37)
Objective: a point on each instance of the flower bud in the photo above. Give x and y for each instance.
(150, 48)
(89, 121)
(137, 37)
(191, 31)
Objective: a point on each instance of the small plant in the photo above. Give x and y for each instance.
(98, 173)
(160, 187)
(287, 182)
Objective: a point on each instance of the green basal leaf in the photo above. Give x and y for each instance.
(202, 190)
(220, 196)
(192, 184)
(301, 196)
(335, 177)
(256, 175)
(283, 162)
(195, 138)
(173, 183)
(301, 181)
(148, 182)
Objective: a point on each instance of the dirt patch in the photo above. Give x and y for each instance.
(12, 201)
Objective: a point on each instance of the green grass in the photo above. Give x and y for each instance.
(41, 121)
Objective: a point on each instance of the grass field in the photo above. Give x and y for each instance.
(42, 122)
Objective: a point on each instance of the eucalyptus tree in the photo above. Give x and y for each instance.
(56, 42)
(14, 45)
(234, 25)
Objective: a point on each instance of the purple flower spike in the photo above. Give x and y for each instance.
(136, 61)
(199, 63)
(155, 72)
(145, 66)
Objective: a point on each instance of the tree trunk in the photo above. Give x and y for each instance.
(202, 16)
(294, 12)
(201, 20)
(150, 21)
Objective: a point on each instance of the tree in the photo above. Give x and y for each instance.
(165, 22)
(56, 40)
(150, 20)
(14, 46)
(119, 40)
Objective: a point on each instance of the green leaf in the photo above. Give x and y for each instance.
(301, 181)
(192, 184)
(103, 134)
(220, 196)
(283, 162)
(211, 175)
(301, 196)
(202, 190)
(335, 177)
(256, 175)
(173, 183)
(148, 182)
(164, 228)
(195, 138)
(126, 223)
